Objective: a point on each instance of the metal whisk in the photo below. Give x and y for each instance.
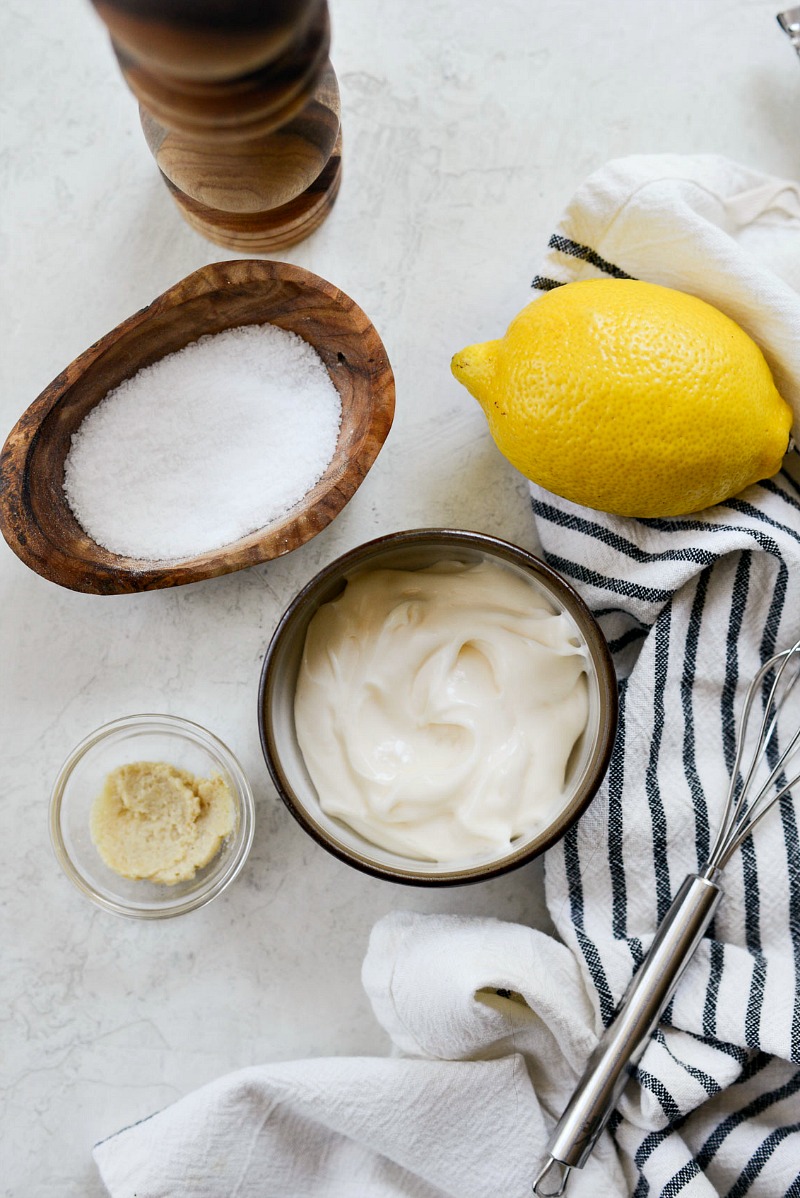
(789, 22)
(623, 1042)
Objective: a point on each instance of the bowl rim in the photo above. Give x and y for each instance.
(45, 555)
(244, 834)
(600, 655)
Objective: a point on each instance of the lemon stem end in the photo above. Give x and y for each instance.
(475, 368)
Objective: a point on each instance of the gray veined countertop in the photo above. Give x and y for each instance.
(465, 134)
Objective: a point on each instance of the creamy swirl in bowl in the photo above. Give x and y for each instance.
(437, 709)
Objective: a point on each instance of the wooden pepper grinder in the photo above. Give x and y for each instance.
(240, 108)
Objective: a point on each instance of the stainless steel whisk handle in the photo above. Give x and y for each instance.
(625, 1039)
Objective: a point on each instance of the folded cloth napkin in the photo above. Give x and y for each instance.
(491, 1022)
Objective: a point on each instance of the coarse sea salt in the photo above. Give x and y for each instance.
(204, 446)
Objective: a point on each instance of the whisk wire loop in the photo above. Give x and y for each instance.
(742, 811)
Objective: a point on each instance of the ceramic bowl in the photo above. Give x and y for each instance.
(145, 738)
(36, 519)
(412, 550)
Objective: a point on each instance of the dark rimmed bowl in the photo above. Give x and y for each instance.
(412, 550)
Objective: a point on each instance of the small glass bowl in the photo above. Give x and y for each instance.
(145, 738)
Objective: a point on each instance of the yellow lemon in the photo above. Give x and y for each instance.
(630, 398)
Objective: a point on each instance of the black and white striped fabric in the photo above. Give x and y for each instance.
(691, 607)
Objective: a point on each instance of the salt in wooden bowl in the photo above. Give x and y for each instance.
(35, 517)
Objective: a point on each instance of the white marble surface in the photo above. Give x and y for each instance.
(467, 127)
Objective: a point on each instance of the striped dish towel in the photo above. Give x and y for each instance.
(691, 607)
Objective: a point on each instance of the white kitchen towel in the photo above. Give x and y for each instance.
(458, 1117)
(492, 1022)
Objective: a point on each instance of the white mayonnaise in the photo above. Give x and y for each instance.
(437, 709)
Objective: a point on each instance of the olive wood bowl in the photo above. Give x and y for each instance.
(36, 519)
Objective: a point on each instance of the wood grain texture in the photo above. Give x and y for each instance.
(206, 39)
(35, 518)
(240, 108)
(267, 232)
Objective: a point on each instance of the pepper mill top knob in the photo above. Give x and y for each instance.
(206, 40)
